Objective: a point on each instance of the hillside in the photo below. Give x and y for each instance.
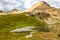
(13, 21)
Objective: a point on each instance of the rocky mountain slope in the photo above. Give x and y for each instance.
(43, 7)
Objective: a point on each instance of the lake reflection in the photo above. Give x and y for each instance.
(53, 27)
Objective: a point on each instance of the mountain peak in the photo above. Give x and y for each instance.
(41, 4)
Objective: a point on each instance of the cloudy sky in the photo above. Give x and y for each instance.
(24, 4)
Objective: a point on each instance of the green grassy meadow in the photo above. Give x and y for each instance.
(13, 21)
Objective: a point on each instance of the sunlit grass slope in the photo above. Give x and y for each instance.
(13, 21)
